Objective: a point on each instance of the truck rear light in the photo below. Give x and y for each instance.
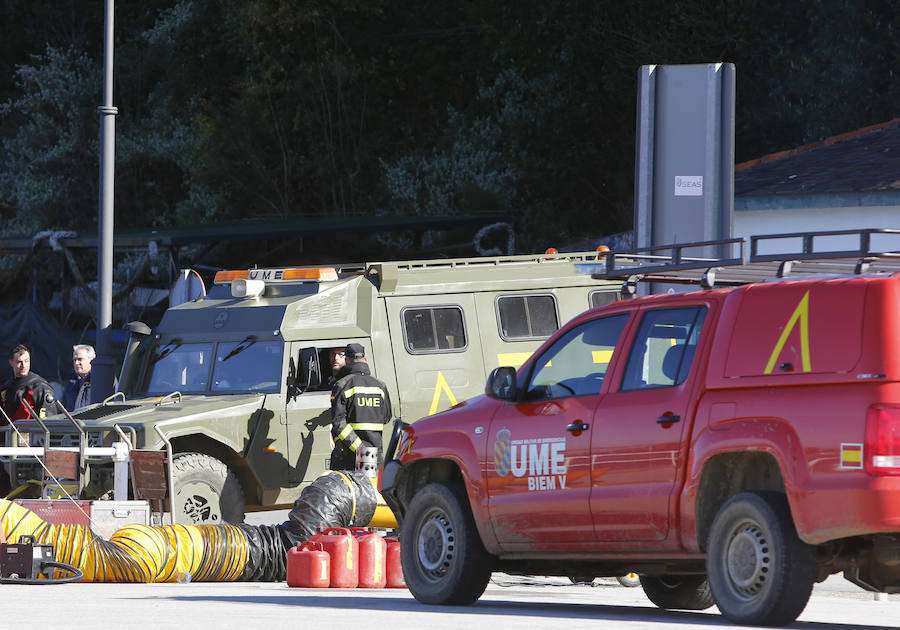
(882, 447)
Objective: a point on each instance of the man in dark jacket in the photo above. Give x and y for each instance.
(77, 391)
(24, 385)
(360, 407)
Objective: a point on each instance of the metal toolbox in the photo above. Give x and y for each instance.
(105, 516)
(108, 516)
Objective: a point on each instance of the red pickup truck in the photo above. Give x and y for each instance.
(732, 445)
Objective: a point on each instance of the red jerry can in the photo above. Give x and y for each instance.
(309, 566)
(372, 556)
(342, 546)
(394, 572)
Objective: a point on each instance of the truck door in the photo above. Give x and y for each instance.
(437, 354)
(308, 413)
(538, 461)
(637, 444)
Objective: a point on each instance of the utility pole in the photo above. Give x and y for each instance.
(102, 367)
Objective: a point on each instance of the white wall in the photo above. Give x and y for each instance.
(754, 222)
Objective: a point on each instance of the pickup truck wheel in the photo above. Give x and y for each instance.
(206, 491)
(760, 572)
(444, 561)
(581, 579)
(682, 592)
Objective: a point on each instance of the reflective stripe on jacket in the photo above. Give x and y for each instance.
(360, 407)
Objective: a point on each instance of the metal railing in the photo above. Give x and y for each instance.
(803, 254)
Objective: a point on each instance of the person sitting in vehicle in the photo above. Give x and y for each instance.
(337, 359)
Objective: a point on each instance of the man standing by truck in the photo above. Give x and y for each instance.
(24, 385)
(77, 391)
(360, 407)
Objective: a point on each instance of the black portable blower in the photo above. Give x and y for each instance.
(27, 562)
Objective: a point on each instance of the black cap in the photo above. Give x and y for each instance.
(354, 351)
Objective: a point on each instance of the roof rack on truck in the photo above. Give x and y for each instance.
(770, 256)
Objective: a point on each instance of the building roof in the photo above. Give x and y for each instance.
(865, 161)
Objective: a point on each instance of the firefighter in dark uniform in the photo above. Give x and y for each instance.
(360, 407)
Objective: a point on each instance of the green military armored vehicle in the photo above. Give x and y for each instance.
(238, 380)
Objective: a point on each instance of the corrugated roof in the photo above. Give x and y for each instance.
(865, 160)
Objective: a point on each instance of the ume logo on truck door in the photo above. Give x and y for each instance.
(541, 460)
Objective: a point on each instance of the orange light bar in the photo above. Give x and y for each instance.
(314, 274)
(228, 276)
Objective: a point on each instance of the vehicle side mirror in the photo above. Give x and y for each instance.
(310, 374)
(501, 383)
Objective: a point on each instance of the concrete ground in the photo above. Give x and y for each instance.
(534, 602)
(509, 601)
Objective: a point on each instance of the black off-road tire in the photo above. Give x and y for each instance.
(206, 491)
(677, 592)
(581, 579)
(444, 561)
(760, 572)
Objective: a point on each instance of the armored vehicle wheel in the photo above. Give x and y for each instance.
(206, 491)
(444, 561)
(683, 592)
(760, 572)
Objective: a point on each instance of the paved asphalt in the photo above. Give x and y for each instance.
(509, 602)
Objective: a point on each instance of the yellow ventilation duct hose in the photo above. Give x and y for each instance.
(136, 553)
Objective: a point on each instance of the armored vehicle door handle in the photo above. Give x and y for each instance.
(668, 418)
(578, 426)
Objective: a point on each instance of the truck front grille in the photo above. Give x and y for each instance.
(60, 439)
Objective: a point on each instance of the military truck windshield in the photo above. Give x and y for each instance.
(187, 367)
(183, 368)
(257, 368)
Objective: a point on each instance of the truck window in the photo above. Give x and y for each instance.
(180, 367)
(576, 364)
(256, 367)
(527, 316)
(664, 348)
(434, 329)
(602, 298)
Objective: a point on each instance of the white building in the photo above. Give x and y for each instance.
(850, 181)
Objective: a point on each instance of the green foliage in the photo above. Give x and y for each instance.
(50, 144)
(230, 109)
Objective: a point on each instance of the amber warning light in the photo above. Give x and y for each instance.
(309, 274)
